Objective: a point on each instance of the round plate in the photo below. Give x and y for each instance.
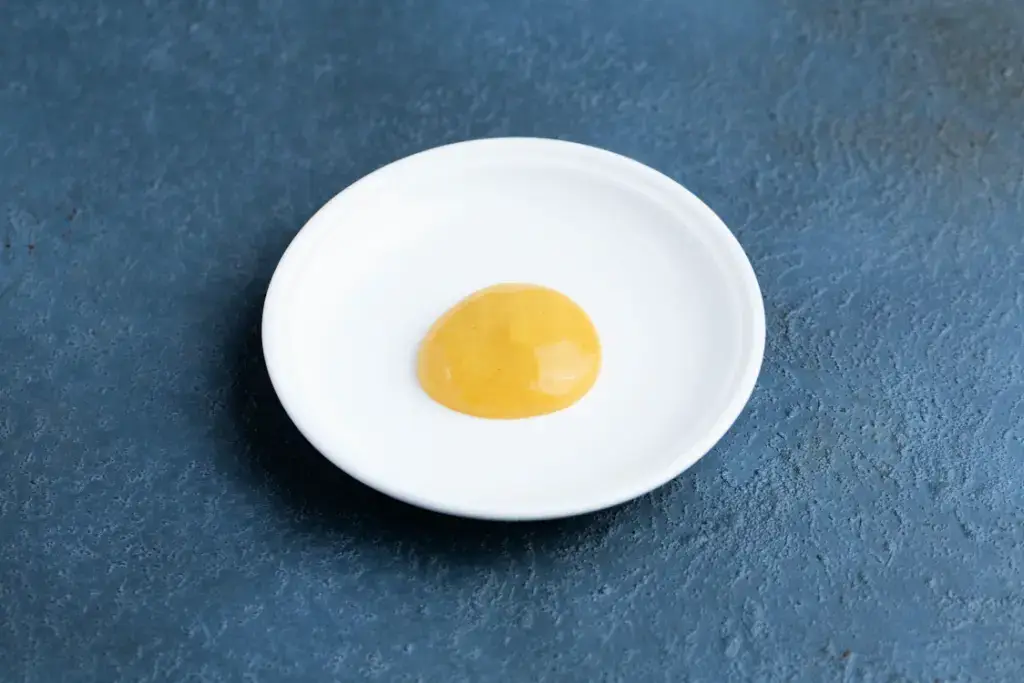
(669, 289)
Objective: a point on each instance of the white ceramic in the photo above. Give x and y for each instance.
(671, 293)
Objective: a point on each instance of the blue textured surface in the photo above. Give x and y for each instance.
(160, 520)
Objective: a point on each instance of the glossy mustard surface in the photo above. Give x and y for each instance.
(510, 351)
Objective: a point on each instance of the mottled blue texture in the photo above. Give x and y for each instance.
(160, 520)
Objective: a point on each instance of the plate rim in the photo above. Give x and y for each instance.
(623, 167)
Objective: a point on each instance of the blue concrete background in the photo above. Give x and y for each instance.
(160, 520)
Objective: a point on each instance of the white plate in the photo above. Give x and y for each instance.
(671, 293)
